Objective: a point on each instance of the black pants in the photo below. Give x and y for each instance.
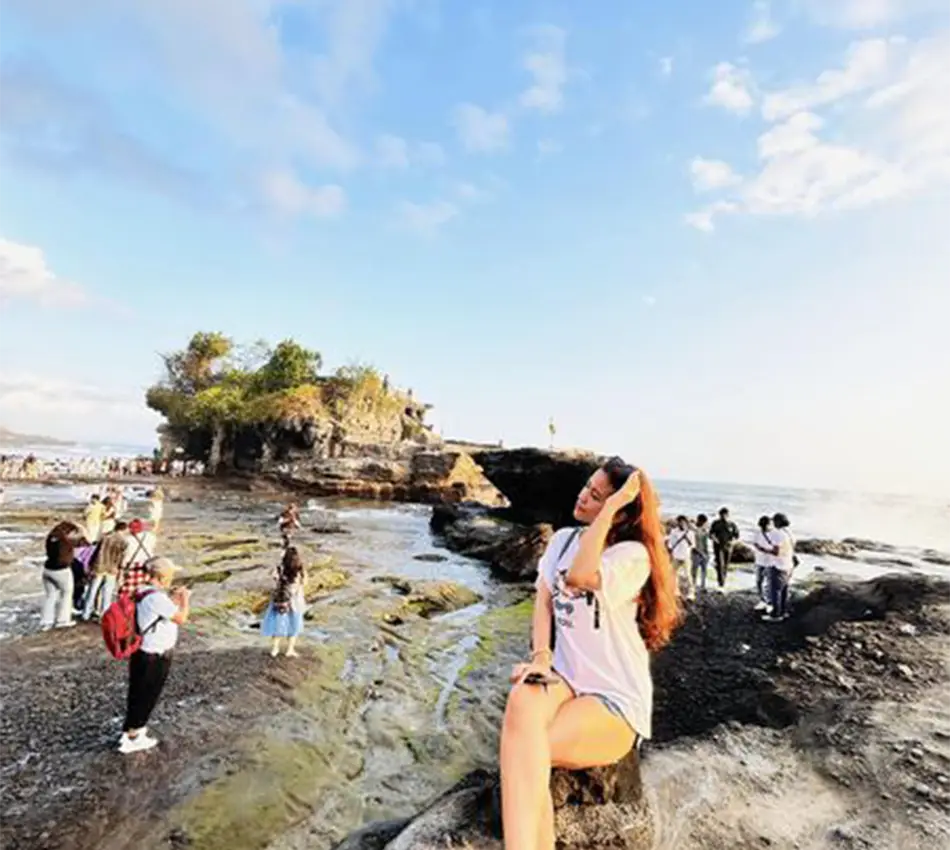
(779, 581)
(147, 675)
(722, 554)
(79, 585)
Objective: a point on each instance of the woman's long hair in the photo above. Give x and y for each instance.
(291, 566)
(658, 611)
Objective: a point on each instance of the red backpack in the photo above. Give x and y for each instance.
(119, 628)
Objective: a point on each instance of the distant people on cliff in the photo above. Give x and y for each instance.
(680, 543)
(61, 543)
(700, 554)
(158, 615)
(284, 617)
(606, 598)
(288, 522)
(724, 533)
(783, 564)
(765, 545)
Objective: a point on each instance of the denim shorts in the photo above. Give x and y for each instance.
(613, 708)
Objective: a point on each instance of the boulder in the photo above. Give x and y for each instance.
(541, 486)
(742, 553)
(594, 810)
(868, 545)
(827, 548)
(431, 598)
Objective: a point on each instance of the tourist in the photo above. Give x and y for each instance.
(288, 522)
(158, 614)
(765, 549)
(139, 548)
(82, 556)
(105, 570)
(92, 518)
(156, 508)
(108, 517)
(680, 542)
(724, 533)
(61, 543)
(606, 598)
(700, 553)
(783, 563)
(284, 617)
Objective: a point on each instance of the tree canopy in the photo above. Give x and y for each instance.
(214, 384)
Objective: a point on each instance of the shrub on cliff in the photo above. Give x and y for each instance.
(212, 388)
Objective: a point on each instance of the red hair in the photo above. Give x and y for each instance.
(659, 611)
(658, 608)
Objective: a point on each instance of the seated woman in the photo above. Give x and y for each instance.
(606, 598)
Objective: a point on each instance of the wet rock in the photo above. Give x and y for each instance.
(742, 553)
(827, 548)
(397, 583)
(931, 556)
(431, 598)
(430, 557)
(868, 545)
(594, 810)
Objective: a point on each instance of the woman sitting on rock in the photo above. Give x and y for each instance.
(606, 598)
(284, 617)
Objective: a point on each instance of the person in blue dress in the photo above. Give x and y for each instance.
(284, 617)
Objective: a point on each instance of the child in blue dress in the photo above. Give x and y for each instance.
(284, 617)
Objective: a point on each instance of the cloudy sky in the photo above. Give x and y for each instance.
(714, 241)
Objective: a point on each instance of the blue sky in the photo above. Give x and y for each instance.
(714, 240)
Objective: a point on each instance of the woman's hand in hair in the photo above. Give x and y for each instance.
(625, 495)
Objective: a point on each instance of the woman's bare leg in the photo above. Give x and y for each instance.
(546, 823)
(526, 761)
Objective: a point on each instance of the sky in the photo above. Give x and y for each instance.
(710, 237)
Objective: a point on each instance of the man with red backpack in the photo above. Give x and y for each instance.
(139, 548)
(158, 614)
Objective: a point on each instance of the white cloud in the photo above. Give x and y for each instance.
(470, 192)
(479, 130)
(286, 194)
(549, 147)
(731, 88)
(547, 64)
(867, 64)
(710, 174)
(29, 403)
(649, 300)
(427, 218)
(893, 142)
(761, 27)
(25, 275)
(703, 219)
(867, 14)
(666, 66)
(396, 152)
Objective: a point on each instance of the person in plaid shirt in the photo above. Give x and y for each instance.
(141, 547)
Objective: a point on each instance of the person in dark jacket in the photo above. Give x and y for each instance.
(61, 545)
(724, 533)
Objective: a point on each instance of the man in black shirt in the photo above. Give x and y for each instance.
(723, 532)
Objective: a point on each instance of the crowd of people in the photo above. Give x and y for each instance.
(691, 543)
(29, 467)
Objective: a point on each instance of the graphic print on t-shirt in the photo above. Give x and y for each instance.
(564, 598)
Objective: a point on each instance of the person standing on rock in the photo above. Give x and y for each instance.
(288, 522)
(156, 508)
(284, 617)
(105, 570)
(61, 544)
(606, 598)
(700, 553)
(158, 614)
(724, 533)
(783, 564)
(765, 544)
(680, 542)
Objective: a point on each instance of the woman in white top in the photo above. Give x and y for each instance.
(606, 598)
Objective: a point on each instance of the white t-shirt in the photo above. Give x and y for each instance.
(681, 542)
(786, 550)
(157, 608)
(611, 660)
(156, 507)
(768, 540)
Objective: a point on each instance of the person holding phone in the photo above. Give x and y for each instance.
(606, 598)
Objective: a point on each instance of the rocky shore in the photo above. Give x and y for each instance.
(391, 718)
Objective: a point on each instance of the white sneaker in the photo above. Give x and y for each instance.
(761, 606)
(768, 618)
(138, 744)
(68, 625)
